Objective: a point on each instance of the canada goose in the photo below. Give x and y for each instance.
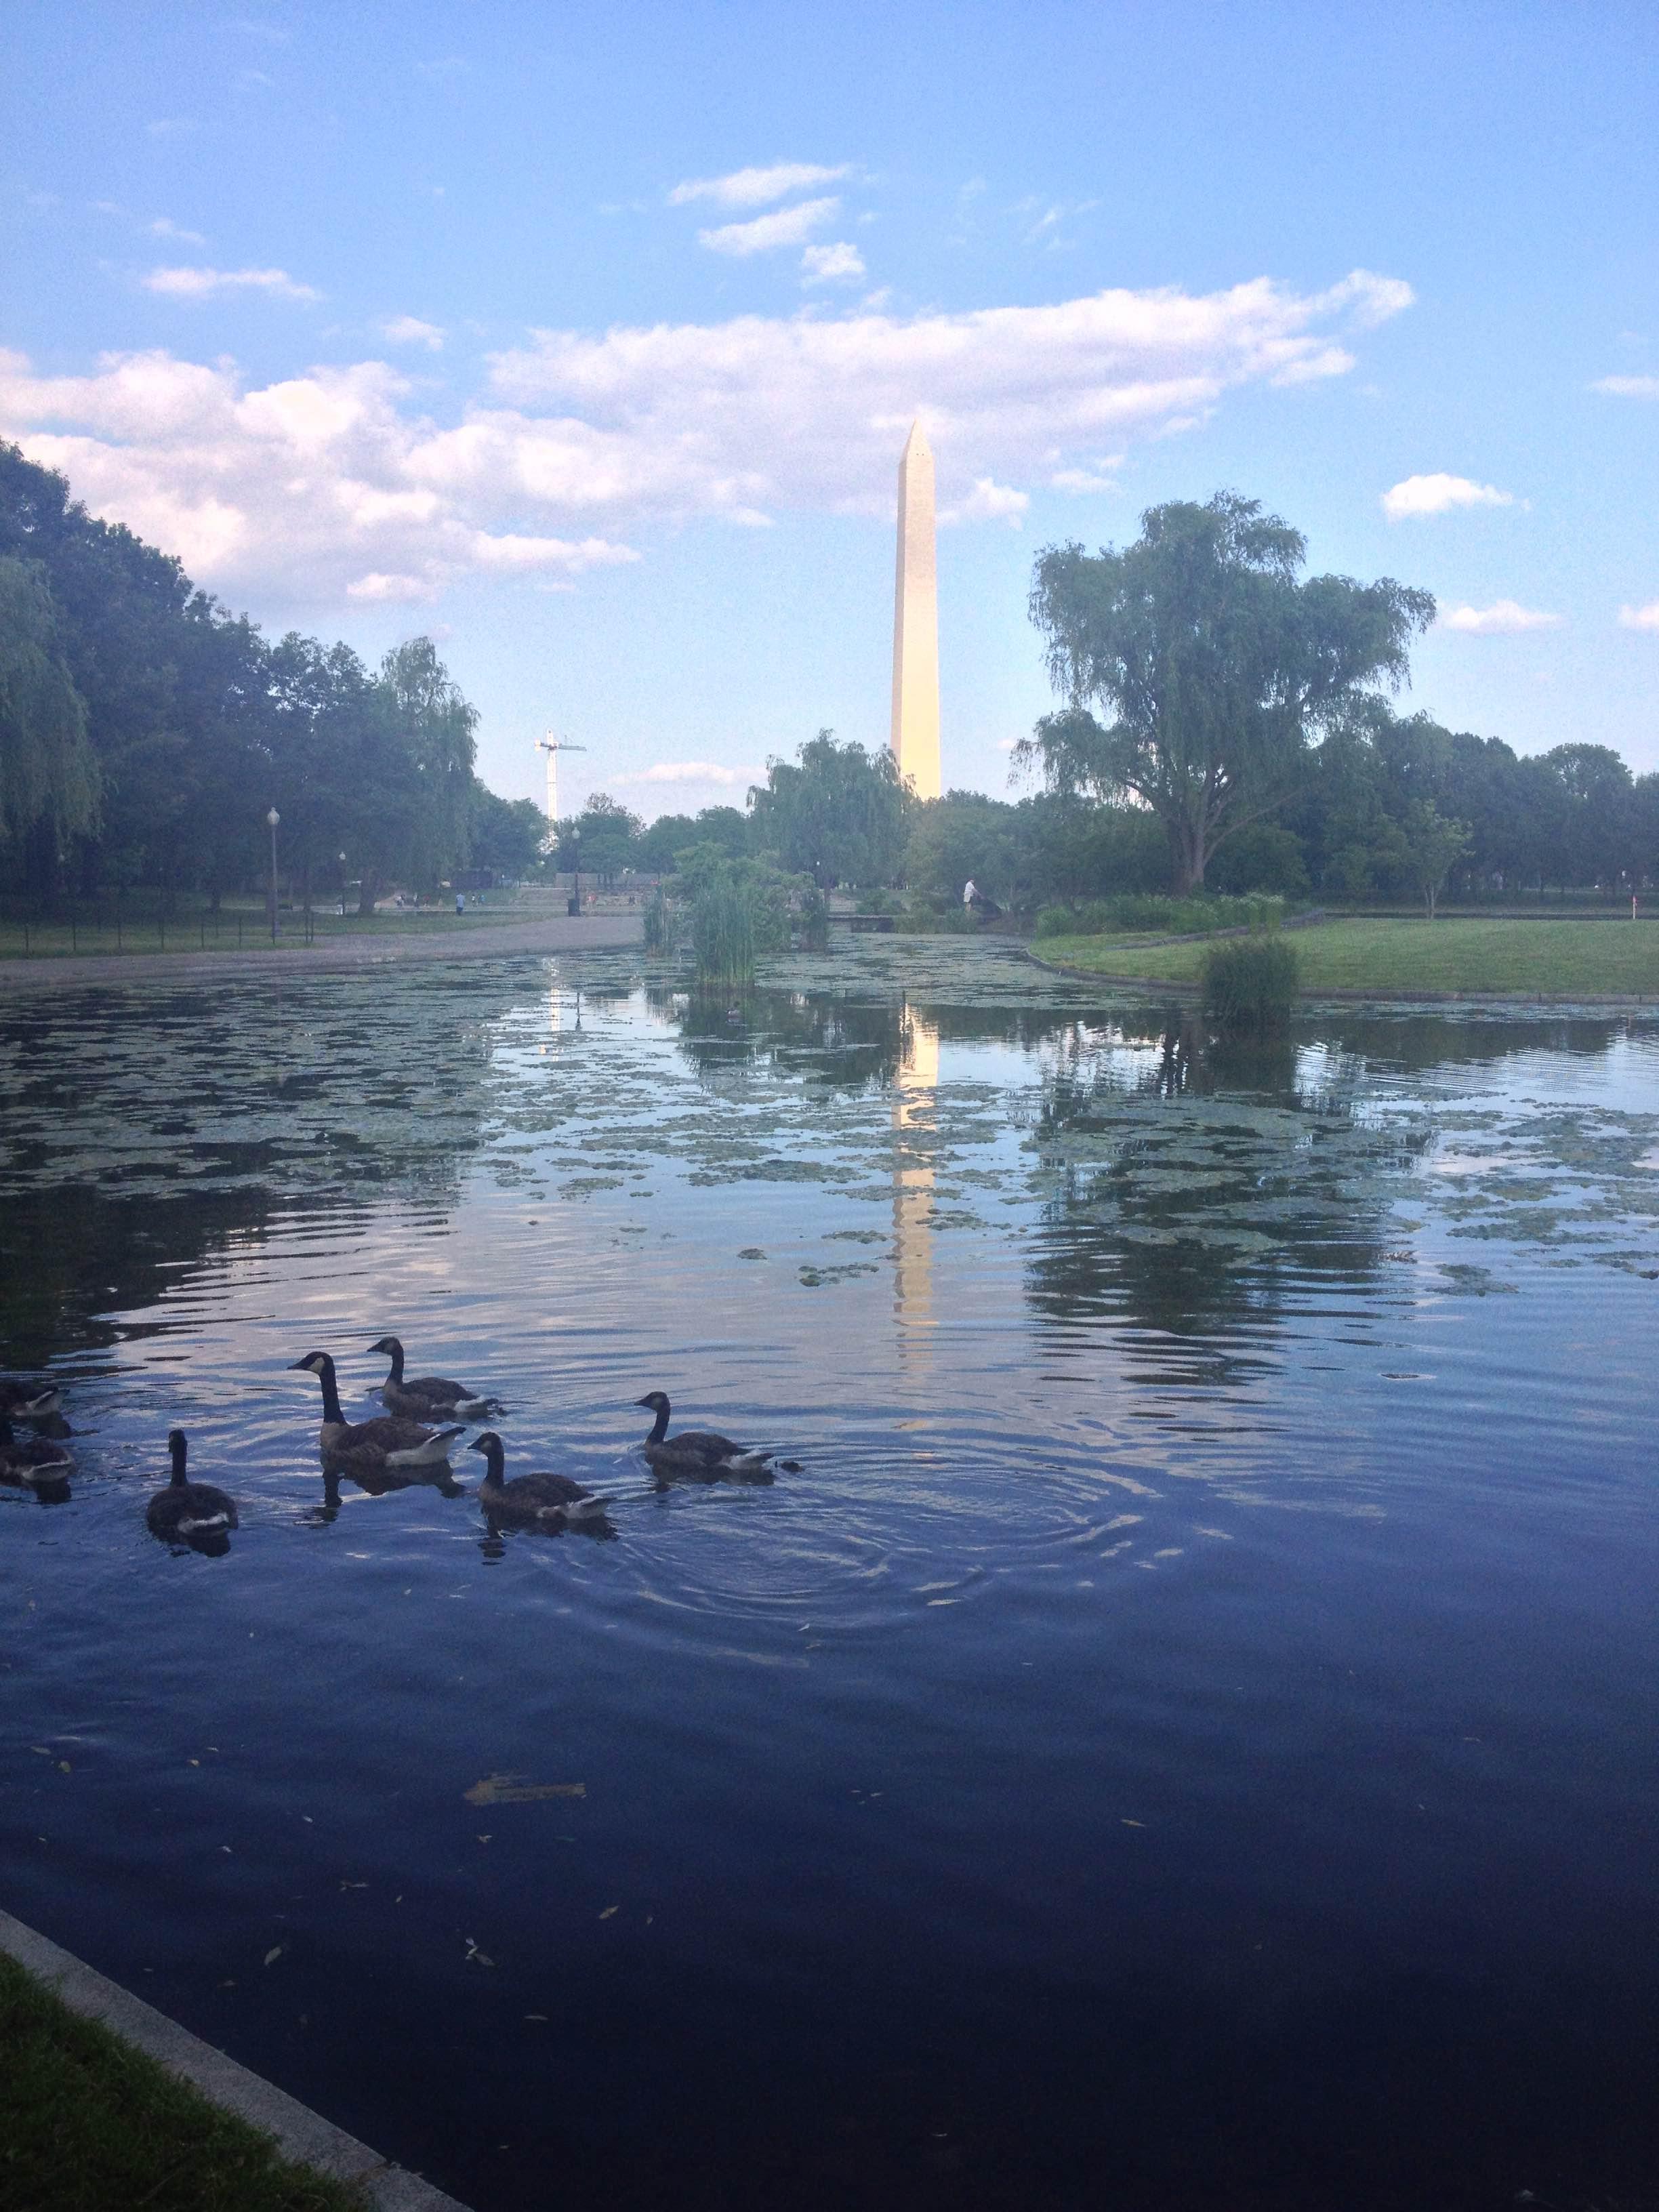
(187, 1510)
(428, 1397)
(32, 1460)
(698, 1451)
(553, 1500)
(28, 1402)
(371, 1446)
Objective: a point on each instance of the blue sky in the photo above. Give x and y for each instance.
(586, 339)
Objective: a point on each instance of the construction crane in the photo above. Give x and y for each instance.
(553, 746)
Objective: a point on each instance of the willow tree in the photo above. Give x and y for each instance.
(836, 812)
(437, 724)
(48, 772)
(1198, 670)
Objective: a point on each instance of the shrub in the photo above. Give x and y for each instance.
(723, 928)
(1171, 916)
(950, 918)
(1249, 985)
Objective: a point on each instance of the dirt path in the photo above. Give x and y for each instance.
(553, 933)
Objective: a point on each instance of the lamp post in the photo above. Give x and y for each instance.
(273, 819)
(576, 868)
(343, 885)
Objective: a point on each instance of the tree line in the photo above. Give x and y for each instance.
(145, 731)
(1224, 724)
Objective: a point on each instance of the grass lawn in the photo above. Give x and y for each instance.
(86, 2121)
(1485, 958)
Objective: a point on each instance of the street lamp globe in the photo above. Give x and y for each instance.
(273, 817)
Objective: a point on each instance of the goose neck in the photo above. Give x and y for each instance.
(330, 1396)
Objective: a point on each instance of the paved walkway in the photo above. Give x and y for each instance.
(488, 941)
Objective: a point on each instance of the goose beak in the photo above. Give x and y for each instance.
(642, 1401)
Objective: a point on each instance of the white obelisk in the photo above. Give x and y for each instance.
(915, 623)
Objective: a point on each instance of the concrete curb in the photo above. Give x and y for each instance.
(494, 941)
(301, 2134)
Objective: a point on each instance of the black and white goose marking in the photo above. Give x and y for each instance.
(553, 1500)
(32, 1460)
(698, 1452)
(428, 1397)
(21, 1400)
(374, 1447)
(187, 1511)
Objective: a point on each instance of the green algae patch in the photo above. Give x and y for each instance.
(85, 2120)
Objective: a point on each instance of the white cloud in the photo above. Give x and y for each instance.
(988, 502)
(755, 187)
(1628, 387)
(199, 283)
(687, 772)
(807, 410)
(410, 329)
(378, 585)
(1439, 495)
(828, 265)
(789, 227)
(1503, 619)
(162, 229)
(1089, 480)
(1645, 617)
(296, 490)
(303, 491)
(171, 126)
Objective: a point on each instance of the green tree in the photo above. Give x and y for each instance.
(48, 773)
(1597, 814)
(1431, 844)
(1215, 668)
(509, 835)
(604, 836)
(962, 836)
(836, 812)
(437, 725)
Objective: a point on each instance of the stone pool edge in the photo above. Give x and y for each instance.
(301, 2134)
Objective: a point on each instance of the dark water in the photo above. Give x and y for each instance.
(1187, 1735)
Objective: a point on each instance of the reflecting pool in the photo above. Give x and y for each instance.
(1184, 1735)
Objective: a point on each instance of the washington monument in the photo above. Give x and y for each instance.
(915, 623)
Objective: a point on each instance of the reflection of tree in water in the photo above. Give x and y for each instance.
(851, 1043)
(195, 1117)
(855, 1043)
(1188, 1191)
(71, 1255)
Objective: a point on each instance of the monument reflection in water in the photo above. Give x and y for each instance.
(1183, 1737)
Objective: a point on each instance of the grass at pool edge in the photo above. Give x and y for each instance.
(1478, 956)
(86, 2120)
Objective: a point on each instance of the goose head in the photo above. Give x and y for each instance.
(314, 1363)
(654, 1402)
(390, 1345)
(494, 1450)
